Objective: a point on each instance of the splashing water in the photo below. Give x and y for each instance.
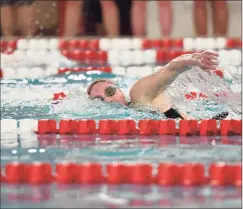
(208, 83)
(77, 105)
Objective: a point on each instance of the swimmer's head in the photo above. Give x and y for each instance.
(106, 90)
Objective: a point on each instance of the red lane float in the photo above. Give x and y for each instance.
(39, 173)
(146, 44)
(167, 127)
(238, 175)
(126, 127)
(145, 127)
(87, 56)
(47, 126)
(167, 174)
(15, 172)
(94, 44)
(162, 43)
(149, 127)
(193, 174)
(67, 127)
(79, 44)
(163, 56)
(188, 127)
(231, 127)
(222, 174)
(6, 46)
(208, 128)
(117, 173)
(90, 174)
(66, 173)
(140, 174)
(233, 43)
(107, 127)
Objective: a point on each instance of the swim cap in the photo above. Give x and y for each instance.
(106, 83)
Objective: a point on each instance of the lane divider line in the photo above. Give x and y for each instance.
(167, 174)
(124, 127)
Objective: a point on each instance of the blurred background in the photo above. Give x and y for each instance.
(120, 18)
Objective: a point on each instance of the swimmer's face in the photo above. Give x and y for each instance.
(107, 91)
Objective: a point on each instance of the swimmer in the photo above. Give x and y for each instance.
(149, 91)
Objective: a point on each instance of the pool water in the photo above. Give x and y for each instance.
(28, 99)
(106, 149)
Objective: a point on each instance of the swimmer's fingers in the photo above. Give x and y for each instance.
(211, 57)
(209, 61)
(205, 60)
(204, 56)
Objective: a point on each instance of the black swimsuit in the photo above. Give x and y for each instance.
(172, 113)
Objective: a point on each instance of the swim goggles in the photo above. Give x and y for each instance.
(108, 91)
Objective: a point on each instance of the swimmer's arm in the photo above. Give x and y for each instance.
(155, 84)
(150, 87)
(173, 69)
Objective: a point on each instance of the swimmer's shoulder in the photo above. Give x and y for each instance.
(137, 92)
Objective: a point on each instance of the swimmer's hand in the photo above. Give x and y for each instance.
(206, 60)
